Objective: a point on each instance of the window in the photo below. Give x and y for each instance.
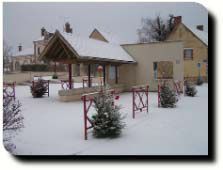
(155, 70)
(188, 54)
(112, 72)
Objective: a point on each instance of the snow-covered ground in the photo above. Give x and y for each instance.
(54, 127)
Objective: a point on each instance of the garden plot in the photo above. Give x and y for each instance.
(53, 127)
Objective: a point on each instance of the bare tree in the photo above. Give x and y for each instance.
(155, 29)
(7, 54)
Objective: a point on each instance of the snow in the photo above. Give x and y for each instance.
(24, 52)
(87, 47)
(53, 127)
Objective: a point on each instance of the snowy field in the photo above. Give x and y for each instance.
(54, 127)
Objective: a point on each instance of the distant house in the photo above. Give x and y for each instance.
(22, 57)
(30, 55)
(195, 41)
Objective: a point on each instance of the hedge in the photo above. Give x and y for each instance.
(34, 67)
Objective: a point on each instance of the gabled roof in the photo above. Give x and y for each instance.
(202, 35)
(24, 52)
(87, 48)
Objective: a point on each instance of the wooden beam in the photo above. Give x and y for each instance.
(70, 76)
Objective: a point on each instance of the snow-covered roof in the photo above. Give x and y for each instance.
(24, 52)
(40, 38)
(87, 47)
(202, 35)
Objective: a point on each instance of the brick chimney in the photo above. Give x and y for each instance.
(20, 47)
(177, 20)
(67, 28)
(200, 27)
(43, 31)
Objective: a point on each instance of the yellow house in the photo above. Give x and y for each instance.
(195, 42)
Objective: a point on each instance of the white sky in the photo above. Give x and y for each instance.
(22, 21)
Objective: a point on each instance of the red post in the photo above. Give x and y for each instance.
(133, 103)
(85, 117)
(70, 75)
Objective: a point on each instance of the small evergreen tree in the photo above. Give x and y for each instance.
(38, 89)
(190, 90)
(168, 97)
(108, 120)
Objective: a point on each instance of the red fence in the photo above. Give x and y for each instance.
(88, 101)
(9, 90)
(140, 101)
(46, 84)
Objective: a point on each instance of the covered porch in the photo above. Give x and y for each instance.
(70, 50)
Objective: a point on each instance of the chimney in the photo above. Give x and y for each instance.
(200, 27)
(177, 20)
(20, 47)
(43, 31)
(67, 28)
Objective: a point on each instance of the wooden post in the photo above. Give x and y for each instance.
(89, 75)
(104, 74)
(70, 75)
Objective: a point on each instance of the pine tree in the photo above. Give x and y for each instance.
(108, 120)
(168, 97)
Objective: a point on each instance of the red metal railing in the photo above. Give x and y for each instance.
(65, 84)
(9, 90)
(140, 101)
(88, 101)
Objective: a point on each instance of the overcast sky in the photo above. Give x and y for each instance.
(23, 21)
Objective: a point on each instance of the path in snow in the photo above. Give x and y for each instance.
(54, 127)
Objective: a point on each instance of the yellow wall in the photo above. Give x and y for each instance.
(200, 51)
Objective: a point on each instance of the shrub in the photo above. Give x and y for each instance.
(168, 97)
(12, 121)
(38, 89)
(34, 67)
(55, 76)
(200, 81)
(107, 121)
(190, 90)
